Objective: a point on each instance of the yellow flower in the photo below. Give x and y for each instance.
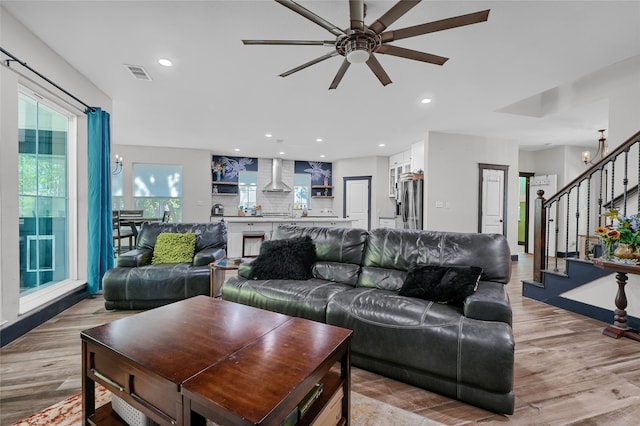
(614, 234)
(601, 230)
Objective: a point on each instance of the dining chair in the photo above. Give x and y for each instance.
(119, 234)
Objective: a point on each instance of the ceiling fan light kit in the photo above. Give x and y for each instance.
(359, 43)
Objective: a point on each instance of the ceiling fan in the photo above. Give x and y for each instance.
(359, 42)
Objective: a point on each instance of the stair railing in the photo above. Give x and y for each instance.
(578, 208)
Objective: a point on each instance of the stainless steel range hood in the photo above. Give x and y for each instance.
(276, 184)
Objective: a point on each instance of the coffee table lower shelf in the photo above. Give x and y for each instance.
(105, 416)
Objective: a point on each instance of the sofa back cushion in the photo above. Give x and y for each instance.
(208, 235)
(344, 245)
(339, 251)
(390, 253)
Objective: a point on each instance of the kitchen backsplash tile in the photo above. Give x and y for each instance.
(273, 202)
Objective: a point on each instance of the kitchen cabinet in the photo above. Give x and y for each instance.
(387, 222)
(237, 225)
(398, 164)
(234, 237)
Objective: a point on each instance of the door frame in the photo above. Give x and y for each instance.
(344, 196)
(481, 168)
(528, 176)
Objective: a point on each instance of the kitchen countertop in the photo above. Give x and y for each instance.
(242, 219)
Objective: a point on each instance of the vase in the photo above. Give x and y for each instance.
(607, 249)
(625, 251)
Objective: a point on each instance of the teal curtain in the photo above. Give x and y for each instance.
(100, 230)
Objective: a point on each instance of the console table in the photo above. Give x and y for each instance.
(620, 328)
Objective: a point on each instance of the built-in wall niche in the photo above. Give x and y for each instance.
(225, 173)
(320, 173)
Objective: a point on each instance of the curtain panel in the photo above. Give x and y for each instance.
(100, 230)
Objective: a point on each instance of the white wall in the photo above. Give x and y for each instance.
(378, 169)
(17, 40)
(196, 175)
(452, 176)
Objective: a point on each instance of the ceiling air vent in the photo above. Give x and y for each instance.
(138, 72)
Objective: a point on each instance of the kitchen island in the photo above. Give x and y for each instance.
(236, 225)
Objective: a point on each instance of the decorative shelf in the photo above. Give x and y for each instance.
(224, 194)
(322, 196)
(321, 187)
(216, 182)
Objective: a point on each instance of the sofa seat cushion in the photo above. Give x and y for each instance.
(160, 283)
(464, 351)
(306, 299)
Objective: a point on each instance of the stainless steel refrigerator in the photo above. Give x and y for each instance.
(411, 200)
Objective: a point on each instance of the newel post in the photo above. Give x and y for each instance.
(539, 237)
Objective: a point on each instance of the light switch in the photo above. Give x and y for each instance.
(439, 204)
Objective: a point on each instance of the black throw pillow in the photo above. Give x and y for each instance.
(447, 284)
(289, 259)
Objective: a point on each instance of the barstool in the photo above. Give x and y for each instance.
(251, 235)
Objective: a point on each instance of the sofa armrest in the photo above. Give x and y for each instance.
(245, 270)
(134, 258)
(490, 302)
(208, 255)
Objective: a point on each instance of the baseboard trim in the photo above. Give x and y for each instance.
(42, 315)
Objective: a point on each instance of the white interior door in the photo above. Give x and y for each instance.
(493, 201)
(357, 203)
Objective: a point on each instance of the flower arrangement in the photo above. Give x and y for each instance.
(622, 230)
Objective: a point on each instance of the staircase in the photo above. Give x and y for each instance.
(570, 216)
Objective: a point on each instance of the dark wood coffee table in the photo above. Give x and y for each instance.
(264, 381)
(145, 359)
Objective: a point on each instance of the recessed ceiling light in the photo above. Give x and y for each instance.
(322, 155)
(165, 62)
(425, 101)
(268, 135)
(318, 139)
(236, 149)
(281, 153)
(380, 145)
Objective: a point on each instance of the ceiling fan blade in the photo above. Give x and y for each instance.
(431, 27)
(356, 12)
(312, 17)
(392, 15)
(308, 64)
(338, 78)
(411, 54)
(377, 69)
(291, 42)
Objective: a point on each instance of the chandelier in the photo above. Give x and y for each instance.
(117, 165)
(603, 150)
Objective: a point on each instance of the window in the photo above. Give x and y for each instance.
(117, 195)
(301, 190)
(158, 188)
(44, 133)
(247, 184)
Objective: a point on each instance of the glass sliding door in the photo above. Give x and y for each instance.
(43, 194)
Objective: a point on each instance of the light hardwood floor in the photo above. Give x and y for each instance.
(566, 371)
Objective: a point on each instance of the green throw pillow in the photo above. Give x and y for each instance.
(174, 248)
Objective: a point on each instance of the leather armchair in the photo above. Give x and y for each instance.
(135, 283)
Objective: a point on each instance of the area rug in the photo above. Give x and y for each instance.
(365, 411)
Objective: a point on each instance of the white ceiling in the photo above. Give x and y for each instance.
(221, 95)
